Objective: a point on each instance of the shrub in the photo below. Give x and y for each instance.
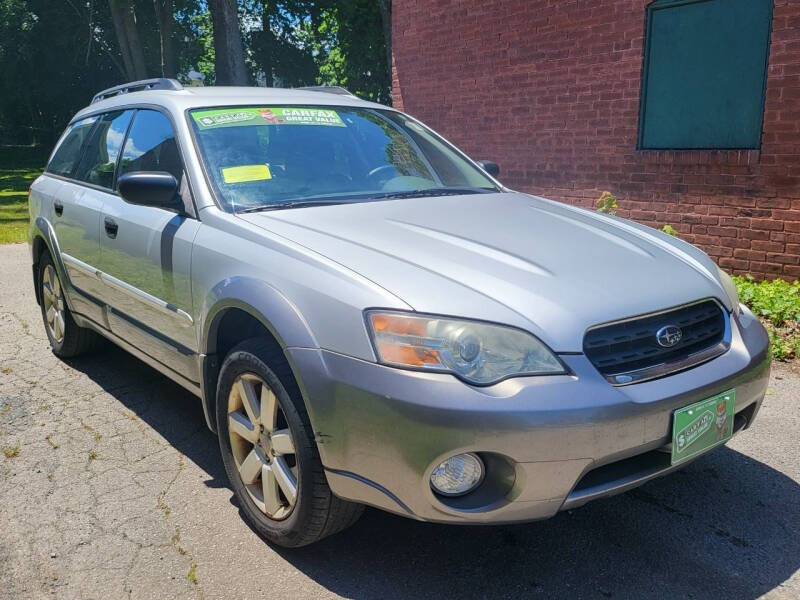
(669, 229)
(607, 203)
(778, 300)
(777, 304)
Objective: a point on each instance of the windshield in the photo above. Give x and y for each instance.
(270, 157)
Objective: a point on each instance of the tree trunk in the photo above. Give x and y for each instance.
(228, 51)
(128, 38)
(385, 8)
(267, 42)
(137, 54)
(165, 14)
(122, 38)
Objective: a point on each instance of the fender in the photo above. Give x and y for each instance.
(44, 230)
(265, 304)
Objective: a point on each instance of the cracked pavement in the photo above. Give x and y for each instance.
(113, 488)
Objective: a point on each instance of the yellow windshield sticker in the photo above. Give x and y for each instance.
(246, 173)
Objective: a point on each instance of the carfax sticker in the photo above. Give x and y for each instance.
(273, 115)
(245, 173)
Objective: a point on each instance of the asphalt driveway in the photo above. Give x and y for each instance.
(113, 488)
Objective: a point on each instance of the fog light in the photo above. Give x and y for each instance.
(457, 475)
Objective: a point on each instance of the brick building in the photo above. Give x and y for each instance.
(553, 91)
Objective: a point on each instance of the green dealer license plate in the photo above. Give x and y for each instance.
(702, 426)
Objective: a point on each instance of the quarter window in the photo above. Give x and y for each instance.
(704, 74)
(151, 146)
(102, 150)
(68, 150)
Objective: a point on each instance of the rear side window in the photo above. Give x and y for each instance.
(68, 150)
(151, 146)
(102, 149)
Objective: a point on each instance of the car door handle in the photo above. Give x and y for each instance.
(111, 227)
(59, 208)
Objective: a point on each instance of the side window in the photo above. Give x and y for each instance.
(452, 170)
(151, 146)
(100, 156)
(68, 150)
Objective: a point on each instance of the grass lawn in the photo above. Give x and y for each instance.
(14, 184)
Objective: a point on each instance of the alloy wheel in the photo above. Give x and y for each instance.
(262, 446)
(53, 298)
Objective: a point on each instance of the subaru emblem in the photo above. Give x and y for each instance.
(668, 336)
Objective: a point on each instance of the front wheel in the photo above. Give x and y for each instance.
(269, 453)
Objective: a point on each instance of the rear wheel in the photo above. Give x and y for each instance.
(269, 452)
(66, 338)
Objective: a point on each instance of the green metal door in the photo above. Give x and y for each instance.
(704, 73)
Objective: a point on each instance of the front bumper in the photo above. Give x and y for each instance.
(550, 443)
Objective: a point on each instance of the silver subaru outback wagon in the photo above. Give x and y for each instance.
(370, 318)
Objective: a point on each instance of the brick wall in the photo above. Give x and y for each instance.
(549, 89)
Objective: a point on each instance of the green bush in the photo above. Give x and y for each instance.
(777, 303)
(607, 203)
(778, 300)
(669, 229)
(784, 346)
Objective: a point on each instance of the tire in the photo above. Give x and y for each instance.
(261, 461)
(67, 339)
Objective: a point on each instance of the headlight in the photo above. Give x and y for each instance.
(477, 352)
(730, 289)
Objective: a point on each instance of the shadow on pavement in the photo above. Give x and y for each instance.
(173, 412)
(725, 526)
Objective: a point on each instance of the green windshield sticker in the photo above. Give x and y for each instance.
(273, 115)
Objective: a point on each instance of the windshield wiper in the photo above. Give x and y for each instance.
(438, 191)
(327, 201)
(292, 204)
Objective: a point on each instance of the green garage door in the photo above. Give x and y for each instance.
(704, 73)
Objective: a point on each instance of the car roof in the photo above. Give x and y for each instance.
(180, 100)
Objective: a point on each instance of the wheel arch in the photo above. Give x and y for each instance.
(243, 309)
(38, 246)
(44, 238)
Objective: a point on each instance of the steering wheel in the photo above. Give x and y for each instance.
(383, 169)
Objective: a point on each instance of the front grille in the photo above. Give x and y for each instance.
(627, 347)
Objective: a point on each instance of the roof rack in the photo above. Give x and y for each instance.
(328, 89)
(161, 83)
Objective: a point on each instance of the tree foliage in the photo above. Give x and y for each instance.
(55, 54)
(52, 58)
(280, 52)
(351, 49)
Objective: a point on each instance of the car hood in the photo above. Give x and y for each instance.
(511, 258)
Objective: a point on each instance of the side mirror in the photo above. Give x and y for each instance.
(490, 167)
(150, 188)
